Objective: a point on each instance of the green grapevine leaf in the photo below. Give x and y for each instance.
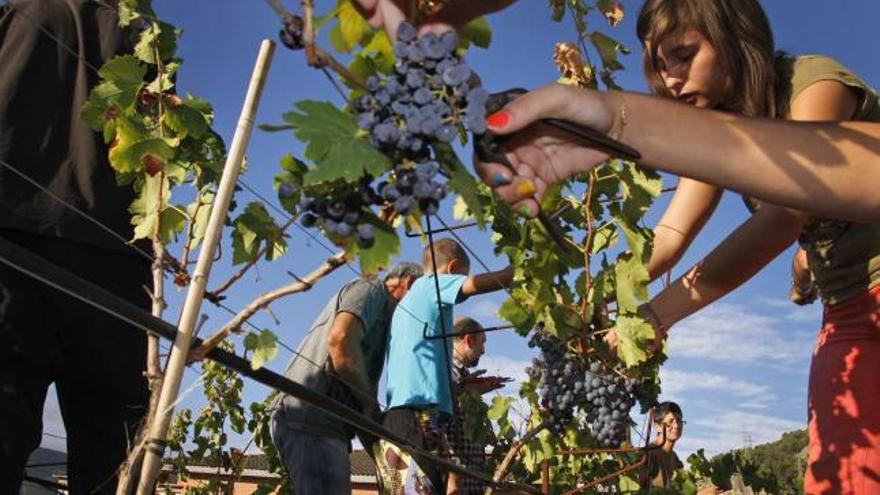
(264, 346)
(171, 223)
(637, 238)
(514, 313)
(385, 247)
(627, 484)
(98, 111)
(199, 213)
(158, 33)
(352, 27)
(253, 228)
(380, 52)
(123, 79)
(604, 238)
(191, 117)
(292, 173)
(166, 82)
(499, 408)
(461, 181)
(477, 32)
(333, 142)
(633, 334)
(146, 207)
(640, 186)
(129, 156)
(632, 283)
(608, 49)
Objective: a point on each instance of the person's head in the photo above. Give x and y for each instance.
(449, 256)
(711, 54)
(400, 278)
(668, 421)
(471, 344)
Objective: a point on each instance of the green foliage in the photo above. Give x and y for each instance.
(253, 230)
(477, 32)
(776, 467)
(334, 143)
(378, 256)
(263, 346)
(292, 173)
(576, 293)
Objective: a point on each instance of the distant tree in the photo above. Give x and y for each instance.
(775, 467)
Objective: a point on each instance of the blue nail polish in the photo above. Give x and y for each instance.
(501, 179)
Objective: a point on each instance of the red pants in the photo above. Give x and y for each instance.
(844, 400)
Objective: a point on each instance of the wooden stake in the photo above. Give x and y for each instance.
(192, 306)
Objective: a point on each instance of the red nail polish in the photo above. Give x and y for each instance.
(498, 119)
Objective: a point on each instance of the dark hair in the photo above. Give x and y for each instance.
(664, 408)
(466, 324)
(740, 32)
(445, 251)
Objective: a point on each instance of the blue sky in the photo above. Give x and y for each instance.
(738, 368)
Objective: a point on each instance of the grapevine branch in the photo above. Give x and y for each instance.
(332, 263)
(190, 234)
(128, 470)
(315, 56)
(215, 294)
(588, 245)
(507, 463)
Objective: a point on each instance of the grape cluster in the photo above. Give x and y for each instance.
(565, 384)
(432, 94)
(417, 185)
(559, 377)
(292, 33)
(341, 214)
(611, 398)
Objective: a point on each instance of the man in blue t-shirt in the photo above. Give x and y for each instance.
(418, 386)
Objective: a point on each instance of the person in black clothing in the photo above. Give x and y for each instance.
(49, 50)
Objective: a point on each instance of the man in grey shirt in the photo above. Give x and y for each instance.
(342, 356)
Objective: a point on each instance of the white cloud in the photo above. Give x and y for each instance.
(496, 365)
(726, 430)
(483, 310)
(732, 333)
(811, 315)
(676, 383)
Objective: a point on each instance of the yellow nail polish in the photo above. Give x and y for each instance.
(525, 189)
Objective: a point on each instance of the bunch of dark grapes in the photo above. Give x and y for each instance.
(560, 380)
(292, 33)
(341, 213)
(417, 185)
(609, 399)
(432, 95)
(564, 385)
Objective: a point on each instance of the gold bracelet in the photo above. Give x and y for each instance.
(670, 228)
(617, 127)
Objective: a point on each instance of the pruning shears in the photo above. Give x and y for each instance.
(489, 147)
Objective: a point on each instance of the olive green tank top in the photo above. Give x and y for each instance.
(844, 257)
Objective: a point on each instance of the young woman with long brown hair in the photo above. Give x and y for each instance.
(719, 54)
